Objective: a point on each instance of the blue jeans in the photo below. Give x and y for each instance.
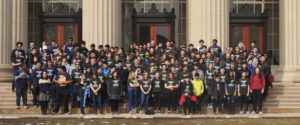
(21, 92)
(96, 101)
(144, 97)
(81, 103)
(132, 94)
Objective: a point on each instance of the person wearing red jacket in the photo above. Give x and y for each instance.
(257, 85)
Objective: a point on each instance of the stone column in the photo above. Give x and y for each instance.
(289, 41)
(20, 22)
(5, 38)
(208, 20)
(101, 22)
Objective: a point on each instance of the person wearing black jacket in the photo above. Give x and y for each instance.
(266, 71)
(171, 86)
(157, 94)
(217, 94)
(123, 74)
(186, 91)
(36, 75)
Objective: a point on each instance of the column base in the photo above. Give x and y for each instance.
(6, 73)
(297, 76)
(285, 74)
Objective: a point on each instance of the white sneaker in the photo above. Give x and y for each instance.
(253, 112)
(25, 107)
(140, 112)
(260, 112)
(247, 112)
(241, 112)
(134, 111)
(18, 107)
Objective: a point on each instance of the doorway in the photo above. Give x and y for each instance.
(246, 33)
(157, 32)
(60, 32)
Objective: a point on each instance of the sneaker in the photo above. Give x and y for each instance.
(190, 113)
(169, 112)
(185, 113)
(67, 113)
(101, 111)
(113, 113)
(117, 113)
(253, 112)
(18, 107)
(25, 107)
(140, 112)
(35, 106)
(54, 113)
(241, 112)
(209, 106)
(174, 112)
(82, 113)
(130, 113)
(260, 112)
(134, 111)
(247, 112)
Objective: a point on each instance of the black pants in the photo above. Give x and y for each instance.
(21, 92)
(244, 101)
(196, 107)
(35, 93)
(217, 102)
(44, 106)
(187, 105)
(231, 103)
(172, 100)
(257, 99)
(114, 105)
(13, 85)
(266, 87)
(157, 99)
(61, 97)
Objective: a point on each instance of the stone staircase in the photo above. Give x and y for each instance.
(283, 98)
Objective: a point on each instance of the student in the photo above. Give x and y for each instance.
(198, 89)
(171, 86)
(209, 79)
(187, 94)
(75, 83)
(243, 92)
(95, 86)
(36, 74)
(82, 88)
(217, 94)
(257, 86)
(16, 62)
(21, 77)
(231, 90)
(62, 79)
(157, 94)
(44, 96)
(132, 92)
(145, 87)
(114, 91)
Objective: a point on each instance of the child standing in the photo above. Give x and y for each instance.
(157, 94)
(132, 92)
(95, 86)
(83, 86)
(114, 91)
(198, 89)
(217, 92)
(171, 86)
(186, 94)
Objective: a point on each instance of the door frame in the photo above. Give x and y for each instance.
(153, 27)
(61, 17)
(60, 30)
(153, 16)
(246, 27)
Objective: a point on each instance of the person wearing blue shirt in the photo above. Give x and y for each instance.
(70, 46)
(217, 48)
(36, 75)
(250, 67)
(20, 78)
(62, 80)
(16, 61)
(105, 69)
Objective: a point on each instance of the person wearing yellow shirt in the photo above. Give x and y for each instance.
(198, 89)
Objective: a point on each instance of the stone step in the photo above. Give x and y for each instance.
(284, 92)
(282, 101)
(271, 105)
(278, 97)
(285, 89)
(286, 85)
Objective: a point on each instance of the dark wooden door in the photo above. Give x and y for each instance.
(60, 32)
(157, 32)
(246, 33)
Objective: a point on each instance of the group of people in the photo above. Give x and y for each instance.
(153, 75)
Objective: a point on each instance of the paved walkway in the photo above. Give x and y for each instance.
(157, 116)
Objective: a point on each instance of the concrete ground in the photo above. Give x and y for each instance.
(143, 116)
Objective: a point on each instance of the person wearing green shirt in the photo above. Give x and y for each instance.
(157, 92)
(145, 86)
(171, 86)
(115, 91)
